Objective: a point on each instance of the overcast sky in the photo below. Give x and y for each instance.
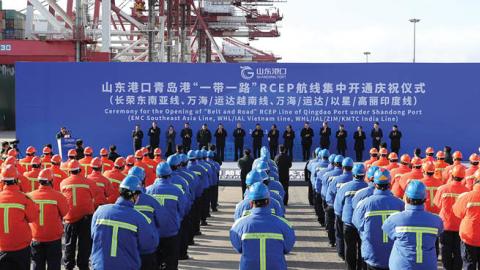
(341, 30)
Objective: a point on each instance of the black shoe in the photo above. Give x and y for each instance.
(198, 233)
(332, 245)
(209, 215)
(204, 223)
(214, 210)
(184, 257)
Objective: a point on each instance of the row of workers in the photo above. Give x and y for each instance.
(260, 231)
(379, 217)
(37, 212)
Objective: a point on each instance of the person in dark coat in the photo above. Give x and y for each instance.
(239, 135)
(395, 136)
(284, 163)
(307, 139)
(245, 164)
(288, 138)
(325, 133)
(137, 136)
(448, 155)
(154, 134)
(186, 135)
(220, 137)
(273, 135)
(171, 147)
(341, 136)
(359, 146)
(113, 155)
(79, 149)
(257, 135)
(377, 135)
(204, 137)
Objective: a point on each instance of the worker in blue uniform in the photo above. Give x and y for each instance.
(216, 166)
(368, 218)
(150, 208)
(174, 203)
(367, 191)
(119, 232)
(263, 239)
(333, 187)
(326, 166)
(329, 213)
(205, 208)
(273, 185)
(274, 194)
(202, 177)
(181, 182)
(343, 208)
(244, 207)
(414, 232)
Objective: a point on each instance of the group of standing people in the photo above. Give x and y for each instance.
(204, 138)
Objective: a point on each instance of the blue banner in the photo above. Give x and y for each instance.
(433, 104)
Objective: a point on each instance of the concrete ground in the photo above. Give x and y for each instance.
(214, 251)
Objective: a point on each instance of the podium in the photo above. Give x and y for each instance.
(65, 144)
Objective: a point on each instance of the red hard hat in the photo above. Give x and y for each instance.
(393, 156)
(9, 172)
(130, 160)
(383, 151)
(56, 159)
(405, 158)
(10, 161)
(96, 163)
(429, 150)
(429, 167)
(46, 150)
(72, 153)
(157, 151)
(31, 150)
(36, 161)
(119, 162)
(103, 152)
(73, 165)
(12, 153)
(458, 171)
(45, 174)
(457, 155)
(416, 162)
(440, 154)
(88, 151)
(145, 151)
(373, 151)
(138, 154)
(474, 158)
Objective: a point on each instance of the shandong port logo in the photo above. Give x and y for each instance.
(246, 72)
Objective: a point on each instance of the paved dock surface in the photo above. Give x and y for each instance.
(214, 251)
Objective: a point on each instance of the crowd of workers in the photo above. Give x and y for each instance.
(131, 213)
(382, 214)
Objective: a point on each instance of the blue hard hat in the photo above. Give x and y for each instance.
(358, 169)
(338, 159)
(258, 191)
(163, 169)
(253, 177)
(317, 151)
(331, 158)
(183, 158)
(130, 182)
(210, 154)
(198, 154)
(347, 162)
(381, 176)
(204, 153)
(191, 154)
(262, 165)
(139, 172)
(173, 160)
(371, 171)
(416, 190)
(325, 153)
(263, 151)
